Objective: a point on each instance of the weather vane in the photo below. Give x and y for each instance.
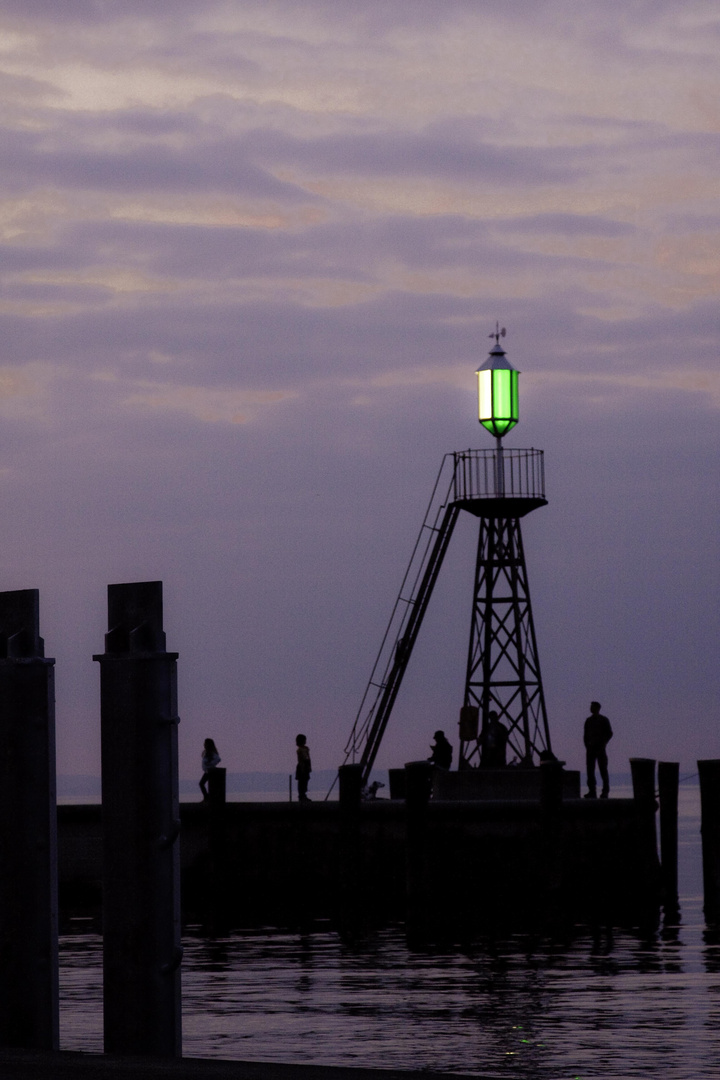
(498, 333)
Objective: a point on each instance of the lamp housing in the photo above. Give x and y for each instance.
(498, 393)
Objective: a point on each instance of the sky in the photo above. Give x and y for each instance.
(251, 255)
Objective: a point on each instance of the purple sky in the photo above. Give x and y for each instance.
(251, 256)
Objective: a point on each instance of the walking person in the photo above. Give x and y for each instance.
(304, 767)
(210, 760)
(596, 735)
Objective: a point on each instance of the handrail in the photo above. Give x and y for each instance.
(477, 474)
(385, 661)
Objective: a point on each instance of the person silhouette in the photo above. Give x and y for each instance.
(494, 743)
(304, 767)
(441, 751)
(210, 760)
(597, 734)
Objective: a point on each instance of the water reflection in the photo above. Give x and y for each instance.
(610, 1004)
(598, 1002)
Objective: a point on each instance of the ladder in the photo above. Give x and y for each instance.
(405, 621)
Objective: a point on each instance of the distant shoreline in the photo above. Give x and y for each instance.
(266, 785)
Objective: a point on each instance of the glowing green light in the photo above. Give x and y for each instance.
(497, 394)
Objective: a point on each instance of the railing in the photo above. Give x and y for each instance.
(394, 652)
(493, 474)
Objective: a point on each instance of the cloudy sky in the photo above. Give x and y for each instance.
(251, 255)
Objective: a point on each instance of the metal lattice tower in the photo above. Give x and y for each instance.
(498, 487)
(503, 669)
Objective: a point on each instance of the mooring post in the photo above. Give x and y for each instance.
(710, 830)
(668, 782)
(643, 781)
(551, 785)
(217, 881)
(648, 865)
(141, 823)
(217, 788)
(551, 800)
(418, 786)
(350, 784)
(350, 900)
(28, 830)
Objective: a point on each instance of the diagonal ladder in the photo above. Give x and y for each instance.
(405, 620)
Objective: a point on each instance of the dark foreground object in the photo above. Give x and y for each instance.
(710, 807)
(28, 837)
(141, 826)
(29, 1065)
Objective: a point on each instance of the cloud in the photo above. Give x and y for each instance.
(251, 257)
(202, 403)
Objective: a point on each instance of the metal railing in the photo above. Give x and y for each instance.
(493, 474)
(392, 657)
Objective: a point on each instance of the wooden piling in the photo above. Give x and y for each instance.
(551, 785)
(552, 874)
(647, 867)
(418, 785)
(710, 830)
(350, 899)
(28, 830)
(218, 917)
(141, 824)
(668, 781)
(643, 780)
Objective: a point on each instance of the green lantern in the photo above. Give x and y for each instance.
(498, 391)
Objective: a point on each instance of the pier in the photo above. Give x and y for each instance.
(465, 863)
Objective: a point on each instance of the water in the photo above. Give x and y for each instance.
(613, 1005)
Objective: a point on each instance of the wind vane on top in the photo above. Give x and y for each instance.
(498, 390)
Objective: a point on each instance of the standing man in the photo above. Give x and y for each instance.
(304, 767)
(597, 735)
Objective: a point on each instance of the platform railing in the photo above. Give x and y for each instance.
(487, 474)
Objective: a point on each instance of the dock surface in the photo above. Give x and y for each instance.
(32, 1065)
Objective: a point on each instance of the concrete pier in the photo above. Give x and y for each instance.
(471, 865)
(28, 838)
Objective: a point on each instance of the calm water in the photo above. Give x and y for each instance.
(611, 1006)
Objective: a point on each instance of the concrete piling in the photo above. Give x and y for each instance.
(709, 772)
(141, 823)
(28, 839)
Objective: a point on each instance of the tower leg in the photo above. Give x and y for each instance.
(503, 669)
